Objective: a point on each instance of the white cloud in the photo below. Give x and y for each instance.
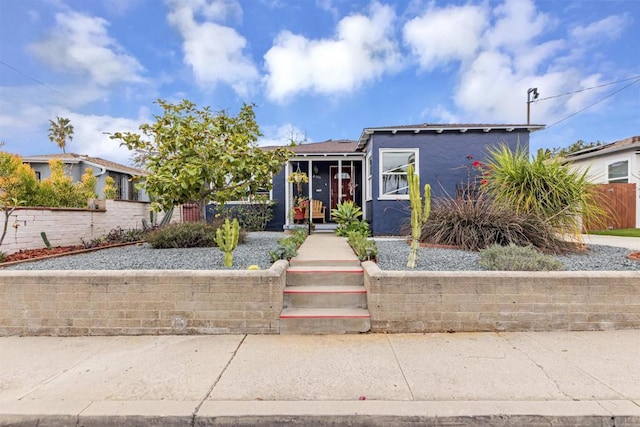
(610, 27)
(214, 52)
(439, 114)
(440, 36)
(362, 50)
(282, 135)
(509, 55)
(81, 43)
(518, 23)
(90, 135)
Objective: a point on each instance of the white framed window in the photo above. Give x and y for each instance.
(369, 190)
(393, 172)
(618, 172)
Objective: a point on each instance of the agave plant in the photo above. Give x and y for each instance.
(346, 212)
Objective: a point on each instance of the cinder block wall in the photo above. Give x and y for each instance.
(65, 227)
(77, 303)
(501, 301)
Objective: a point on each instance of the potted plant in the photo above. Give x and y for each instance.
(300, 209)
(298, 178)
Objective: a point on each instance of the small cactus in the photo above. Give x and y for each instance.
(45, 240)
(419, 215)
(227, 240)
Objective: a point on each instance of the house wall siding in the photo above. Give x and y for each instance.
(598, 174)
(442, 161)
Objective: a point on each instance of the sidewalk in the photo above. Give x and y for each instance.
(623, 242)
(569, 378)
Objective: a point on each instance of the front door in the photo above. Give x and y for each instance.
(346, 178)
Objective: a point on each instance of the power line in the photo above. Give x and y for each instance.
(597, 102)
(30, 78)
(588, 88)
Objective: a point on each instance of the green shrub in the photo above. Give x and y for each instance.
(365, 249)
(186, 235)
(118, 235)
(542, 187)
(288, 246)
(477, 224)
(517, 258)
(252, 216)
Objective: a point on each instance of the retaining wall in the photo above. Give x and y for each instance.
(77, 303)
(501, 301)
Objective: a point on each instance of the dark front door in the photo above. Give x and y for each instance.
(346, 178)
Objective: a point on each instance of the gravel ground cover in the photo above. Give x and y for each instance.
(392, 255)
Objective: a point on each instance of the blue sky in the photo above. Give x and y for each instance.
(317, 69)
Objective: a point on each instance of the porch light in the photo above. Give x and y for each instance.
(343, 175)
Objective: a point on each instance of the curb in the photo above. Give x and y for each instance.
(321, 413)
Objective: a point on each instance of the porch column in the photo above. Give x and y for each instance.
(287, 193)
(310, 175)
(339, 177)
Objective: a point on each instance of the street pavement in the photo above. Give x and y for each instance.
(530, 378)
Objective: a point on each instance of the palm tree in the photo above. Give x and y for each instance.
(59, 131)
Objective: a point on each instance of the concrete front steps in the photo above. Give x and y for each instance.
(325, 299)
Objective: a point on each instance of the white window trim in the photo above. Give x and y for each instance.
(369, 177)
(382, 196)
(619, 180)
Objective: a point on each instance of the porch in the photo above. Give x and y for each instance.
(316, 185)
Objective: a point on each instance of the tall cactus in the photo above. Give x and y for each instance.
(419, 215)
(227, 239)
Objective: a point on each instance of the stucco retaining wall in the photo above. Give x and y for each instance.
(78, 303)
(501, 301)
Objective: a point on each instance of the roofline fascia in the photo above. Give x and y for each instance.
(596, 153)
(367, 132)
(78, 160)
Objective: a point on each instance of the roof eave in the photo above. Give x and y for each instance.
(597, 153)
(367, 132)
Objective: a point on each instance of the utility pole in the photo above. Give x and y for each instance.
(531, 93)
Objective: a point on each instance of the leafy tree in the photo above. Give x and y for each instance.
(87, 184)
(109, 189)
(17, 180)
(573, 148)
(194, 155)
(59, 190)
(60, 131)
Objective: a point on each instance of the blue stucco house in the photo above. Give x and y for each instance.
(372, 171)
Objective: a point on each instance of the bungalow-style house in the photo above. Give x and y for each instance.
(610, 164)
(77, 164)
(372, 171)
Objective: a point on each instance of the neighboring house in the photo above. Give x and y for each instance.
(615, 163)
(77, 164)
(373, 170)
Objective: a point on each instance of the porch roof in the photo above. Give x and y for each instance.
(342, 146)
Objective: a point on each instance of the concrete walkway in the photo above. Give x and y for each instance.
(579, 378)
(622, 242)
